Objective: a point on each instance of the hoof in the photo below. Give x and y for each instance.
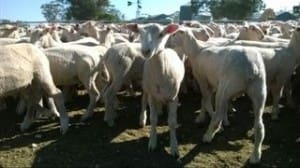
(275, 117)
(152, 145)
(254, 159)
(111, 123)
(207, 138)
(24, 127)
(63, 130)
(151, 148)
(64, 125)
(175, 155)
(226, 123)
(142, 122)
(85, 118)
(200, 118)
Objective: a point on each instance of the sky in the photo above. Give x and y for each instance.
(29, 10)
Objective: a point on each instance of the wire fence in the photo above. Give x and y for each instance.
(166, 21)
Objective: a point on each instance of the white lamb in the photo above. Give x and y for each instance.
(280, 64)
(45, 39)
(24, 68)
(73, 65)
(163, 74)
(124, 63)
(254, 33)
(280, 60)
(9, 31)
(229, 71)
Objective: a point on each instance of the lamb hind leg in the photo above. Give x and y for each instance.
(225, 90)
(276, 91)
(58, 98)
(29, 117)
(89, 84)
(287, 91)
(258, 96)
(206, 104)
(45, 80)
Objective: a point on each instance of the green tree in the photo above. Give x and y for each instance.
(80, 10)
(86, 9)
(268, 14)
(199, 4)
(112, 14)
(53, 11)
(235, 9)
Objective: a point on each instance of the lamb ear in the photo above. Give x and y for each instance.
(252, 27)
(133, 27)
(46, 30)
(245, 28)
(171, 28)
(108, 29)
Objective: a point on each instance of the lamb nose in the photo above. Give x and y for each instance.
(146, 52)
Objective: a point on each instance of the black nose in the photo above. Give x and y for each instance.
(146, 52)
(298, 29)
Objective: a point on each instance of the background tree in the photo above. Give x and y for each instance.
(85, 9)
(111, 13)
(91, 10)
(199, 4)
(235, 9)
(80, 10)
(268, 14)
(53, 11)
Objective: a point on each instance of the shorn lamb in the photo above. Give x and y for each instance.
(124, 63)
(163, 74)
(280, 64)
(25, 69)
(229, 71)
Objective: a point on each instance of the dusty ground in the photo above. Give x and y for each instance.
(94, 144)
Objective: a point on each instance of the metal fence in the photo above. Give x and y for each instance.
(35, 23)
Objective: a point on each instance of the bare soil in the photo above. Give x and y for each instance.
(94, 144)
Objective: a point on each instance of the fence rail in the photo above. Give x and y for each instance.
(133, 21)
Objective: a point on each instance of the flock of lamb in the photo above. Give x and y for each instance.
(223, 61)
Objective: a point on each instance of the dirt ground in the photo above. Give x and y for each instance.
(94, 144)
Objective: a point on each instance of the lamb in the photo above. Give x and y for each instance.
(124, 63)
(254, 33)
(218, 29)
(25, 69)
(6, 41)
(163, 74)
(189, 82)
(251, 32)
(285, 29)
(9, 31)
(280, 60)
(45, 39)
(74, 64)
(230, 71)
(258, 44)
(231, 28)
(280, 64)
(69, 33)
(104, 36)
